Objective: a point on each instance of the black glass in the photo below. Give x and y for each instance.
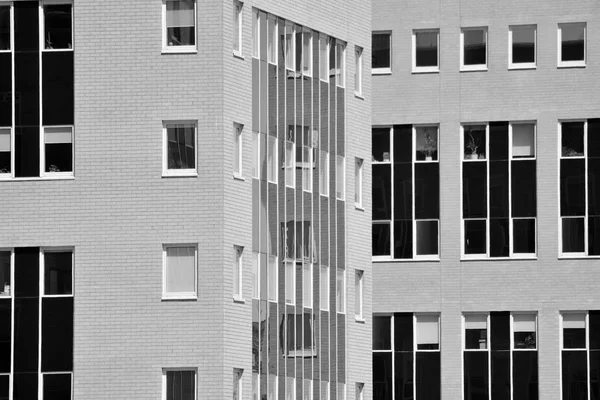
(58, 26)
(381, 50)
(181, 385)
(523, 44)
(475, 234)
(574, 338)
(4, 27)
(476, 381)
(474, 47)
(572, 139)
(58, 273)
(382, 333)
(573, 235)
(524, 236)
(57, 386)
(427, 238)
(381, 240)
(181, 147)
(426, 49)
(381, 144)
(572, 42)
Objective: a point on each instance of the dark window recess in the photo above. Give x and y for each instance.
(57, 334)
(4, 387)
(427, 49)
(58, 273)
(499, 189)
(524, 236)
(382, 376)
(498, 141)
(26, 15)
(427, 238)
(523, 45)
(26, 335)
(5, 340)
(525, 340)
(6, 90)
(500, 330)
(593, 236)
(57, 24)
(475, 242)
(573, 42)
(428, 375)
(403, 245)
(381, 144)
(382, 333)
(593, 185)
(382, 192)
(574, 338)
(403, 332)
(474, 47)
(574, 375)
(525, 375)
(403, 191)
(331, 74)
(57, 88)
(572, 187)
(572, 139)
(25, 386)
(427, 190)
(298, 52)
(181, 144)
(499, 237)
(474, 190)
(593, 138)
(255, 336)
(4, 27)
(403, 375)
(181, 385)
(523, 184)
(594, 326)
(27, 84)
(476, 375)
(27, 265)
(381, 50)
(403, 143)
(57, 386)
(500, 374)
(381, 239)
(573, 235)
(595, 374)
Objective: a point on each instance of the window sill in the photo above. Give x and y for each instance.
(180, 50)
(381, 71)
(577, 256)
(38, 178)
(359, 96)
(239, 300)
(382, 259)
(571, 64)
(55, 50)
(524, 66)
(359, 207)
(45, 296)
(360, 320)
(474, 68)
(435, 70)
(239, 177)
(180, 298)
(238, 54)
(485, 258)
(193, 174)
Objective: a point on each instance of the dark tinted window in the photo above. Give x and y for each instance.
(382, 333)
(474, 190)
(382, 376)
(57, 386)
(572, 139)
(4, 386)
(381, 144)
(574, 375)
(403, 239)
(499, 189)
(476, 375)
(524, 236)
(181, 144)
(427, 237)
(523, 44)
(475, 234)
(594, 236)
(382, 191)
(500, 330)
(57, 24)
(572, 187)
(403, 175)
(574, 338)
(4, 27)
(403, 375)
(58, 273)
(499, 242)
(524, 188)
(381, 50)
(5, 339)
(573, 42)
(181, 385)
(57, 334)
(475, 46)
(427, 49)
(403, 332)
(525, 375)
(573, 235)
(427, 190)
(381, 239)
(500, 375)
(428, 375)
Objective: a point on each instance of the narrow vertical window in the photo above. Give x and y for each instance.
(425, 51)
(255, 274)
(341, 178)
(237, 272)
(340, 294)
(272, 159)
(307, 393)
(358, 182)
(522, 46)
(307, 52)
(358, 71)
(237, 149)
(179, 384)
(360, 388)
(255, 33)
(382, 53)
(5, 273)
(476, 362)
(290, 282)
(307, 160)
(272, 385)
(237, 383)
(290, 164)
(272, 40)
(58, 32)
(324, 173)
(58, 151)
(5, 27)
(237, 27)
(574, 356)
(324, 390)
(273, 278)
(473, 49)
(324, 288)
(5, 152)
(324, 58)
(307, 284)
(179, 158)
(340, 59)
(341, 391)
(290, 49)
(572, 45)
(358, 293)
(382, 191)
(290, 388)
(179, 272)
(179, 25)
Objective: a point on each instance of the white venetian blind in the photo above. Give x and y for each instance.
(476, 321)
(428, 331)
(524, 323)
(180, 13)
(4, 139)
(574, 321)
(181, 270)
(57, 135)
(523, 140)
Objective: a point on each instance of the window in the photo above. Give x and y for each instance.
(406, 353)
(58, 151)
(179, 25)
(5, 22)
(179, 149)
(425, 50)
(5, 273)
(341, 178)
(290, 46)
(358, 71)
(340, 68)
(324, 173)
(307, 284)
(324, 43)
(324, 288)
(499, 200)
(179, 384)
(179, 272)
(237, 149)
(272, 159)
(324, 390)
(307, 393)
(500, 348)
(307, 52)
(300, 335)
(237, 27)
(255, 274)
(5, 152)
(571, 44)
(290, 161)
(273, 275)
(272, 393)
(237, 272)
(290, 388)
(272, 39)
(56, 385)
(340, 293)
(358, 293)
(522, 46)
(306, 157)
(58, 32)
(381, 60)
(237, 384)
(405, 171)
(360, 388)
(473, 49)
(358, 182)
(341, 391)
(580, 188)
(290, 282)
(255, 33)
(58, 273)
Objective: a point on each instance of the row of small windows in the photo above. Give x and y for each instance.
(522, 50)
(499, 195)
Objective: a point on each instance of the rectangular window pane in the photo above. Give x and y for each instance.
(426, 49)
(381, 56)
(272, 40)
(56, 386)
(476, 331)
(307, 53)
(381, 239)
(237, 271)
(427, 143)
(524, 328)
(381, 144)
(181, 146)
(523, 44)
(57, 26)
(525, 375)
(324, 287)
(574, 335)
(181, 385)
(475, 41)
(5, 166)
(272, 159)
(340, 294)
(180, 270)
(428, 332)
(255, 36)
(5, 27)
(290, 164)
(574, 375)
(382, 333)
(290, 282)
(382, 191)
(572, 187)
(237, 148)
(382, 376)
(289, 47)
(237, 26)
(427, 238)
(340, 76)
(572, 134)
(181, 21)
(5, 273)
(524, 236)
(255, 275)
(358, 71)
(500, 330)
(572, 42)
(58, 149)
(58, 273)
(428, 375)
(273, 284)
(323, 58)
(475, 236)
(476, 375)
(324, 173)
(358, 175)
(573, 235)
(237, 383)
(474, 142)
(403, 332)
(307, 168)
(523, 140)
(307, 289)
(341, 178)
(290, 388)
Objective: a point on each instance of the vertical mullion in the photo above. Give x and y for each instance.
(511, 320)
(487, 191)
(393, 347)
(414, 358)
(41, 46)
(392, 190)
(488, 334)
(585, 178)
(511, 236)
(12, 318)
(414, 221)
(587, 344)
(13, 104)
(40, 294)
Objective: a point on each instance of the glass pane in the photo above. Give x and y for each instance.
(573, 42)
(289, 164)
(323, 59)
(524, 236)
(290, 280)
(382, 376)
(475, 237)
(428, 376)
(524, 327)
(427, 238)
(523, 44)
(403, 375)
(5, 273)
(5, 151)
(181, 385)
(525, 375)
(382, 333)
(5, 27)
(381, 239)
(272, 159)
(181, 270)
(324, 173)
(474, 142)
(381, 50)
(593, 236)
(273, 285)
(428, 332)
(290, 388)
(427, 190)
(500, 330)
(403, 239)
(340, 293)
(574, 331)
(500, 377)
(181, 23)
(307, 284)
(499, 241)
(59, 149)
(427, 143)
(272, 40)
(476, 331)
(574, 375)
(237, 9)
(57, 24)
(523, 144)
(476, 378)
(381, 144)
(324, 285)
(181, 143)
(307, 53)
(56, 386)
(572, 139)
(572, 187)
(474, 46)
(289, 47)
(403, 332)
(426, 43)
(573, 235)
(58, 273)
(382, 192)
(341, 178)
(523, 185)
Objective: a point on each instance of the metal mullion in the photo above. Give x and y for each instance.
(12, 322)
(585, 219)
(511, 235)
(487, 186)
(13, 100)
(512, 326)
(489, 346)
(393, 346)
(41, 44)
(414, 361)
(42, 269)
(587, 349)
(392, 196)
(413, 214)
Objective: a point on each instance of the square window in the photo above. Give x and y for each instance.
(237, 271)
(474, 49)
(179, 384)
(179, 149)
(58, 273)
(5, 28)
(237, 26)
(324, 283)
(425, 50)
(572, 139)
(382, 53)
(5, 273)
(341, 178)
(307, 63)
(522, 43)
(272, 39)
(324, 43)
(428, 332)
(474, 142)
(58, 151)
(324, 173)
(523, 140)
(426, 143)
(358, 289)
(237, 148)
(524, 331)
(571, 46)
(358, 182)
(340, 294)
(358, 71)
(475, 331)
(179, 272)
(237, 383)
(58, 31)
(5, 151)
(179, 18)
(340, 68)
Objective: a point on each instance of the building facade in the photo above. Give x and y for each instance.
(182, 187)
(485, 146)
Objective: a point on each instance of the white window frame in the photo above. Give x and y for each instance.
(178, 49)
(179, 295)
(431, 69)
(474, 67)
(307, 70)
(388, 70)
(238, 272)
(272, 58)
(341, 395)
(61, 174)
(238, 146)
(340, 192)
(586, 349)
(272, 157)
(360, 389)
(12, 274)
(175, 369)
(11, 138)
(511, 253)
(571, 64)
(255, 34)
(359, 164)
(324, 63)
(513, 65)
(43, 252)
(239, 21)
(341, 308)
(307, 285)
(324, 286)
(358, 71)
(340, 68)
(42, 27)
(359, 276)
(167, 172)
(239, 383)
(290, 59)
(307, 394)
(290, 164)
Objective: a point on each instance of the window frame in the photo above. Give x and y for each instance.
(166, 49)
(384, 70)
(571, 64)
(324, 171)
(307, 70)
(60, 174)
(324, 287)
(307, 290)
(42, 24)
(11, 138)
(527, 65)
(358, 71)
(42, 381)
(290, 298)
(238, 146)
(359, 276)
(178, 172)
(239, 383)
(167, 296)
(165, 370)
(289, 162)
(340, 67)
(290, 53)
(358, 182)
(238, 272)
(430, 69)
(272, 157)
(11, 271)
(473, 67)
(42, 262)
(340, 181)
(239, 22)
(273, 58)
